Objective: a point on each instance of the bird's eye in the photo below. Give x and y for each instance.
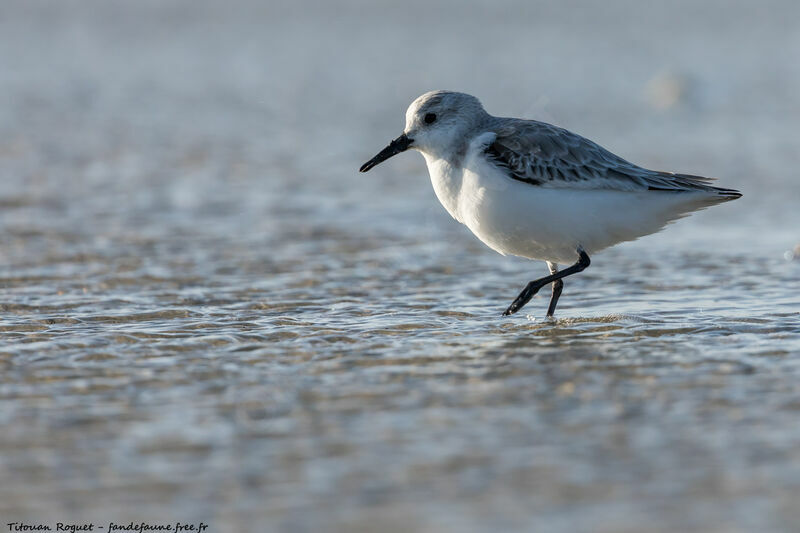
(430, 118)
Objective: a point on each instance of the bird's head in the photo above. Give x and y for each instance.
(437, 123)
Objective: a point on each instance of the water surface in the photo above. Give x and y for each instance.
(209, 315)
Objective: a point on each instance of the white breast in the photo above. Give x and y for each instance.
(446, 180)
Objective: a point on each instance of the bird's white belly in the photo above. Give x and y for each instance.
(517, 218)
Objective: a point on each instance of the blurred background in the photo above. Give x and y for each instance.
(207, 314)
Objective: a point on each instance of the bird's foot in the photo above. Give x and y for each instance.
(523, 298)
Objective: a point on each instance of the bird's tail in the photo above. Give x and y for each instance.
(670, 181)
(726, 195)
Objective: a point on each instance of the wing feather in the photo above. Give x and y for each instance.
(548, 156)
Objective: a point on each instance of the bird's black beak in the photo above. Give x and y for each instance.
(398, 145)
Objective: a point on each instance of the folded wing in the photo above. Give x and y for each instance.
(548, 156)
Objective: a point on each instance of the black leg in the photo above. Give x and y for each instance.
(533, 287)
(558, 286)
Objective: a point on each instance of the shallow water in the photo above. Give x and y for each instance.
(209, 315)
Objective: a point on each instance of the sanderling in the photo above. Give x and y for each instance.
(535, 190)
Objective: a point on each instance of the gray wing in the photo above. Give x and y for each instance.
(548, 156)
